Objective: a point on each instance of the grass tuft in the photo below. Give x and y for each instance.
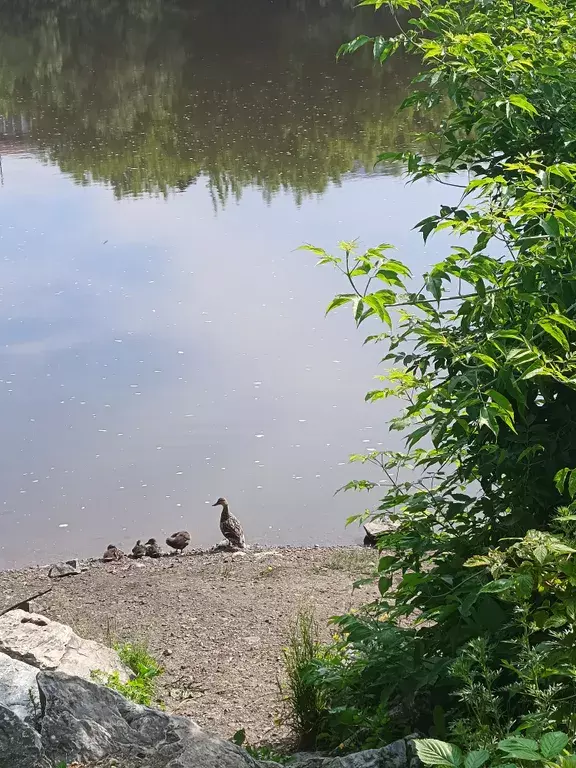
(305, 702)
(142, 687)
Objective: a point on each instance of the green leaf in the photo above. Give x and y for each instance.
(560, 479)
(550, 225)
(434, 285)
(417, 435)
(435, 752)
(540, 4)
(353, 45)
(384, 584)
(520, 748)
(486, 359)
(488, 419)
(552, 744)
(507, 411)
(338, 301)
(556, 333)
(500, 585)
(477, 758)
(522, 103)
(572, 484)
(239, 737)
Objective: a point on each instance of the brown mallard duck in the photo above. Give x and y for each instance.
(230, 525)
(138, 550)
(153, 548)
(112, 554)
(178, 541)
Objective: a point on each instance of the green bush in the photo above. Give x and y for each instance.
(483, 351)
(549, 751)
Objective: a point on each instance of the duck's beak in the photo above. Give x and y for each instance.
(215, 505)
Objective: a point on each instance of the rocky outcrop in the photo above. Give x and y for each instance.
(48, 717)
(87, 723)
(46, 644)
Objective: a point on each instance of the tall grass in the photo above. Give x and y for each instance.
(305, 703)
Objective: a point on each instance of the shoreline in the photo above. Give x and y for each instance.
(195, 552)
(217, 621)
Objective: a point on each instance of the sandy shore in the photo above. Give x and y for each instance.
(218, 621)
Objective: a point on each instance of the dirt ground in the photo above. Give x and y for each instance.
(218, 621)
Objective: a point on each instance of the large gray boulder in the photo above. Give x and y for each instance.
(18, 689)
(47, 644)
(20, 745)
(84, 722)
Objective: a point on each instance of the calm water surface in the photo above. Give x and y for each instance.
(162, 341)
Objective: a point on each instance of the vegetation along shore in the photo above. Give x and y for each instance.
(464, 631)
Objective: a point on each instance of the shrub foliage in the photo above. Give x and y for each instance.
(474, 629)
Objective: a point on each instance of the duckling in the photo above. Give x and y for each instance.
(230, 525)
(138, 550)
(178, 541)
(112, 553)
(153, 548)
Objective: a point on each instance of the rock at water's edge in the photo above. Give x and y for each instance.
(375, 528)
(69, 568)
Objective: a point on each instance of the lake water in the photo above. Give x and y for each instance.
(163, 343)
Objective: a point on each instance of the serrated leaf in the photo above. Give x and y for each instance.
(435, 752)
(520, 748)
(476, 759)
(552, 744)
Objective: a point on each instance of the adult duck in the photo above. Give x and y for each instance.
(230, 525)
